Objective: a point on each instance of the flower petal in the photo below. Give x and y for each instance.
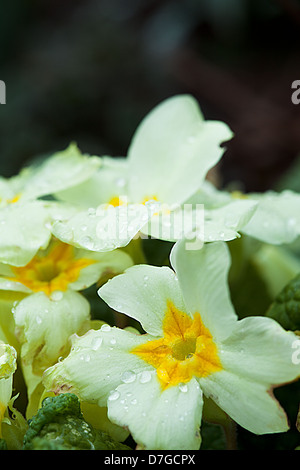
(44, 325)
(202, 276)
(261, 350)
(174, 135)
(7, 325)
(23, 232)
(104, 265)
(159, 420)
(276, 219)
(62, 170)
(221, 224)
(142, 293)
(8, 360)
(104, 228)
(108, 182)
(8, 365)
(248, 403)
(226, 222)
(98, 362)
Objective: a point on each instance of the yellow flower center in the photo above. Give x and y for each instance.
(12, 200)
(238, 195)
(186, 350)
(53, 271)
(116, 201)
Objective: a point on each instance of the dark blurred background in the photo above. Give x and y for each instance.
(89, 70)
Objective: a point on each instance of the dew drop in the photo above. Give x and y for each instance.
(134, 401)
(91, 211)
(114, 395)
(56, 295)
(128, 377)
(145, 376)
(38, 319)
(105, 327)
(66, 233)
(96, 343)
(87, 242)
(183, 388)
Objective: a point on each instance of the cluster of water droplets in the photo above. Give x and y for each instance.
(128, 399)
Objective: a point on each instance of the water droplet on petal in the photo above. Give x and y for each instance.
(145, 376)
(92, 212)
(87, 242)
(128, 377)
(56, 295)
(105, 327)
(96, 343)
(183, 388)
(114, 395)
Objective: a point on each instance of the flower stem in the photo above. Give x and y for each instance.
(230, 434)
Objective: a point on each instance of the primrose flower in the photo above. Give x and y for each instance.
(52, 309)
(275, 220)
(154, 384)
(25, 220)
(8, 365)
(168, 159)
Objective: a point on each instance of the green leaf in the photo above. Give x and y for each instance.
(59, 425)
(286, 307)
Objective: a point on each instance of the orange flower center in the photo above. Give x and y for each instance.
(186, 350)
(53, 271)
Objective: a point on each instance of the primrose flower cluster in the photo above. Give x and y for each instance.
(74, 224)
